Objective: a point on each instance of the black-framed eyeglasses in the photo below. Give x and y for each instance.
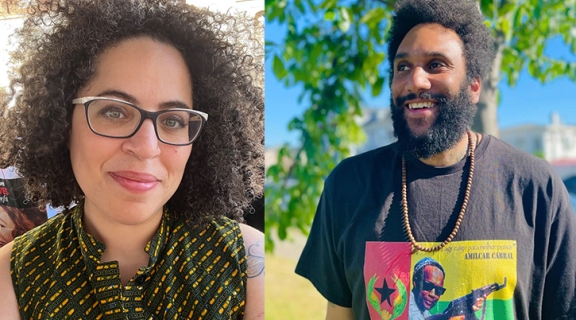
(114, 118)
(428, 286)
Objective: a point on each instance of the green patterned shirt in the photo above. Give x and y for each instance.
(193, 273)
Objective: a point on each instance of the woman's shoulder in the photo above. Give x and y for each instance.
(8, 303)
(232, 228)
(42, 239)
(227, 234)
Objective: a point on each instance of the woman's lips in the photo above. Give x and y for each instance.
(135, 182)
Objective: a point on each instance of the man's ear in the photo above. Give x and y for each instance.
(475, 88)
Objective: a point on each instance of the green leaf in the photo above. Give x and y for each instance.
(533, 68)
(300, 5)
(329, 16)
(278, 68)
(507, 8)
(519, 17)
(344, 21)
(506, 27)
(537, 11)
(328, 4)
(373, 17)
(377, 87)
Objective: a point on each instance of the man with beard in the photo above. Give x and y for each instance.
(442, 187)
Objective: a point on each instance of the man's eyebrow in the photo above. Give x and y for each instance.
(430, 54)
(130, 98)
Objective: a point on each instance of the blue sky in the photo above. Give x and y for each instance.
(529, 102)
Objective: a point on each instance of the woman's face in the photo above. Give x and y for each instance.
(6, 227)
(129, 180)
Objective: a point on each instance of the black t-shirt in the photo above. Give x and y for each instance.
(517, 237)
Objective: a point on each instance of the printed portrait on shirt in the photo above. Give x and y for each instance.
(466, 280)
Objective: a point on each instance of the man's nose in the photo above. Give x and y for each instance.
(418, 80)
(144, 143)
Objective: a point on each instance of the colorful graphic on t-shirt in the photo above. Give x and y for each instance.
(465, 280)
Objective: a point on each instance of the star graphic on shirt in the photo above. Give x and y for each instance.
(385, 293)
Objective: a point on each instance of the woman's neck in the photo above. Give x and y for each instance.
(124, 243)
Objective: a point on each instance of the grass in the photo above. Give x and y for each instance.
(288, 295)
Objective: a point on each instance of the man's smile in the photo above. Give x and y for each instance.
(420, 105)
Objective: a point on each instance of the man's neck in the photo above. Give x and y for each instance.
(452, 155)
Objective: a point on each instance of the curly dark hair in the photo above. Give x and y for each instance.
(57, 55)
(462, 16)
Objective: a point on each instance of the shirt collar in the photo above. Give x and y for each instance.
(92, 249)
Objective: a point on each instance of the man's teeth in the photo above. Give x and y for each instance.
(420, 105)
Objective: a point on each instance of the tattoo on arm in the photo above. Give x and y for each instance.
(256, 259)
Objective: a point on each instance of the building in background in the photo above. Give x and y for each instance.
(555, 142)
(377, 124)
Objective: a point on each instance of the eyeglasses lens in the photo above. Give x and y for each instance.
(178, 127)
(120, 120)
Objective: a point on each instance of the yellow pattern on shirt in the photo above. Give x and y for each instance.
(193, 273)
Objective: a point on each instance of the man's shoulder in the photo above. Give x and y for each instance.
(364, 163)
(516, 160)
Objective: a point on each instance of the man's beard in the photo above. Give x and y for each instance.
(455, 116)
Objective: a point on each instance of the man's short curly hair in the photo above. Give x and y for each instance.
(58, 51)
(462, 16)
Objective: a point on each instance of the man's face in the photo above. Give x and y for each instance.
(431, 288)
(432, 100)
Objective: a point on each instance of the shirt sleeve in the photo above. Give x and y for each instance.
(320, 262)
(559, 298)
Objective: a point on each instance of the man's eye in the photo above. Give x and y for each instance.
(402, 67)
(435, 65)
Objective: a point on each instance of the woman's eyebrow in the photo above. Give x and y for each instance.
(130, 98)
(174, 104)
(119, 94)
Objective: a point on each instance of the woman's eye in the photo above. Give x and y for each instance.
(114, 114)
(174, 123)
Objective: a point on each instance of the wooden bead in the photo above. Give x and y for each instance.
(404, 201)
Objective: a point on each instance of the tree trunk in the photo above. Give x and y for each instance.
(486, 118)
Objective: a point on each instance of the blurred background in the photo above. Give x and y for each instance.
(327, 98)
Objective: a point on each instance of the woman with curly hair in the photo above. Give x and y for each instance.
(145, 116)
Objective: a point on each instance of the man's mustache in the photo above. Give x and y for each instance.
(438, 97)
